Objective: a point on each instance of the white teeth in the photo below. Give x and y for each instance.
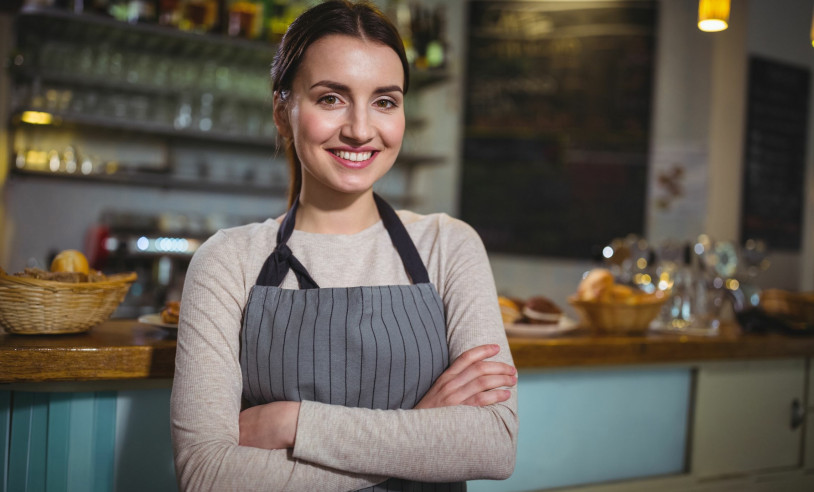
(353, 156)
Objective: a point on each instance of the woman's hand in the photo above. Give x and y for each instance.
(471, 380)
(270, 426)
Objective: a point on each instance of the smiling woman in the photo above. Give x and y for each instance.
(346, 136)
(344, 345)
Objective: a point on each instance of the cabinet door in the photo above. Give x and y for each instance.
(742, 419)
(808, 460)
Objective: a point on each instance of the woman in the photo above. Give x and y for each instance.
(314, 350)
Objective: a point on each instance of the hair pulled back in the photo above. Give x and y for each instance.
(357, 19)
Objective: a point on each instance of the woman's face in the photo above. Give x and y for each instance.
(345, 113)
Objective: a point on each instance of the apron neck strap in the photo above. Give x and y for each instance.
(401, 240)
(281, 259)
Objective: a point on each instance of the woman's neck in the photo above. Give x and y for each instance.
(336, 213)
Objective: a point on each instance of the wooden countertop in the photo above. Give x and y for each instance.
(127, 350)
(581, 348)
(113, 350)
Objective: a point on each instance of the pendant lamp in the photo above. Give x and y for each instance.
(812, 30)
(713, 15)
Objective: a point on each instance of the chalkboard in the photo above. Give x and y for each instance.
(557, 119)
(774, 158)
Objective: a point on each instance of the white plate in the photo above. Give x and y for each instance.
(528, 330)
(155, 320)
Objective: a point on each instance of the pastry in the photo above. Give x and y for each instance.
(70, 260)
(542, 311)
(509, 310)
(595, 284)
(170, 312)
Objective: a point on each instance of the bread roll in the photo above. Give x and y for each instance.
(70, 260)
(595, 284)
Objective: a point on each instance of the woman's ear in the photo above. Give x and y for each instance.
(281, 116)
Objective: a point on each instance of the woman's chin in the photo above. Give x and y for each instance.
(350, 189)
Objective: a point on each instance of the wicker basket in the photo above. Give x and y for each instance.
(38, 307)
(618, 317)
(794, 306)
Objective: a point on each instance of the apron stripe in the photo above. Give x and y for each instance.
(383, 328)
(405, 369)
(281, 355)
(436, 329)
(347, 335)
(330, 359)
(260, 342)
(376, 352)
(429, 348)
(415, 319)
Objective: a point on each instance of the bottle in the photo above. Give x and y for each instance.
(276, 19)
(244, 19)
(200, 16)
(169, 12)
(142, 11)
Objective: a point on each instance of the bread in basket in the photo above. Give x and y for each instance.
(606, 307)
(35, 306)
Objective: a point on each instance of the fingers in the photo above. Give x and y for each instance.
(485, 398)
(471, 380)
(479, 370)
(482, 384)
(472, 356)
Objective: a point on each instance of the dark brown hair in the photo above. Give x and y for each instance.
(358, 19)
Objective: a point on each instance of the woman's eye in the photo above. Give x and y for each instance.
(385, 104)
(329, 100)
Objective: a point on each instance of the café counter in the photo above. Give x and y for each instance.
(113, 350)
(128, 350)
(597, 413)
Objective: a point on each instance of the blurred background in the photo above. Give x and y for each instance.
(556, 128)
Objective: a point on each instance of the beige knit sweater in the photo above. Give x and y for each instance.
(337, 448)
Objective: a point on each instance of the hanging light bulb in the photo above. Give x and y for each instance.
(812, 30)
(713, 15)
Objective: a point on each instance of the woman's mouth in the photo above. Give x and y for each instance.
(353, 160)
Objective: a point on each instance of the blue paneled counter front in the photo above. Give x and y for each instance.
(592, 409)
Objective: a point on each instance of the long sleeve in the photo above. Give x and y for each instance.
(337, 448)
(443, 444)
(206, 393)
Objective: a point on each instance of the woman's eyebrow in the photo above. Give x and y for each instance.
(388, 88)
(338, 87)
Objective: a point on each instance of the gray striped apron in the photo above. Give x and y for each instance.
(376, 347)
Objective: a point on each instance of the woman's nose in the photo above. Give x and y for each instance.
(358, 125)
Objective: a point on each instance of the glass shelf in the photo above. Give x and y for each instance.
(159, 180)
(111, 124)
(167, 182)
(44, 23)
(80, 81)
